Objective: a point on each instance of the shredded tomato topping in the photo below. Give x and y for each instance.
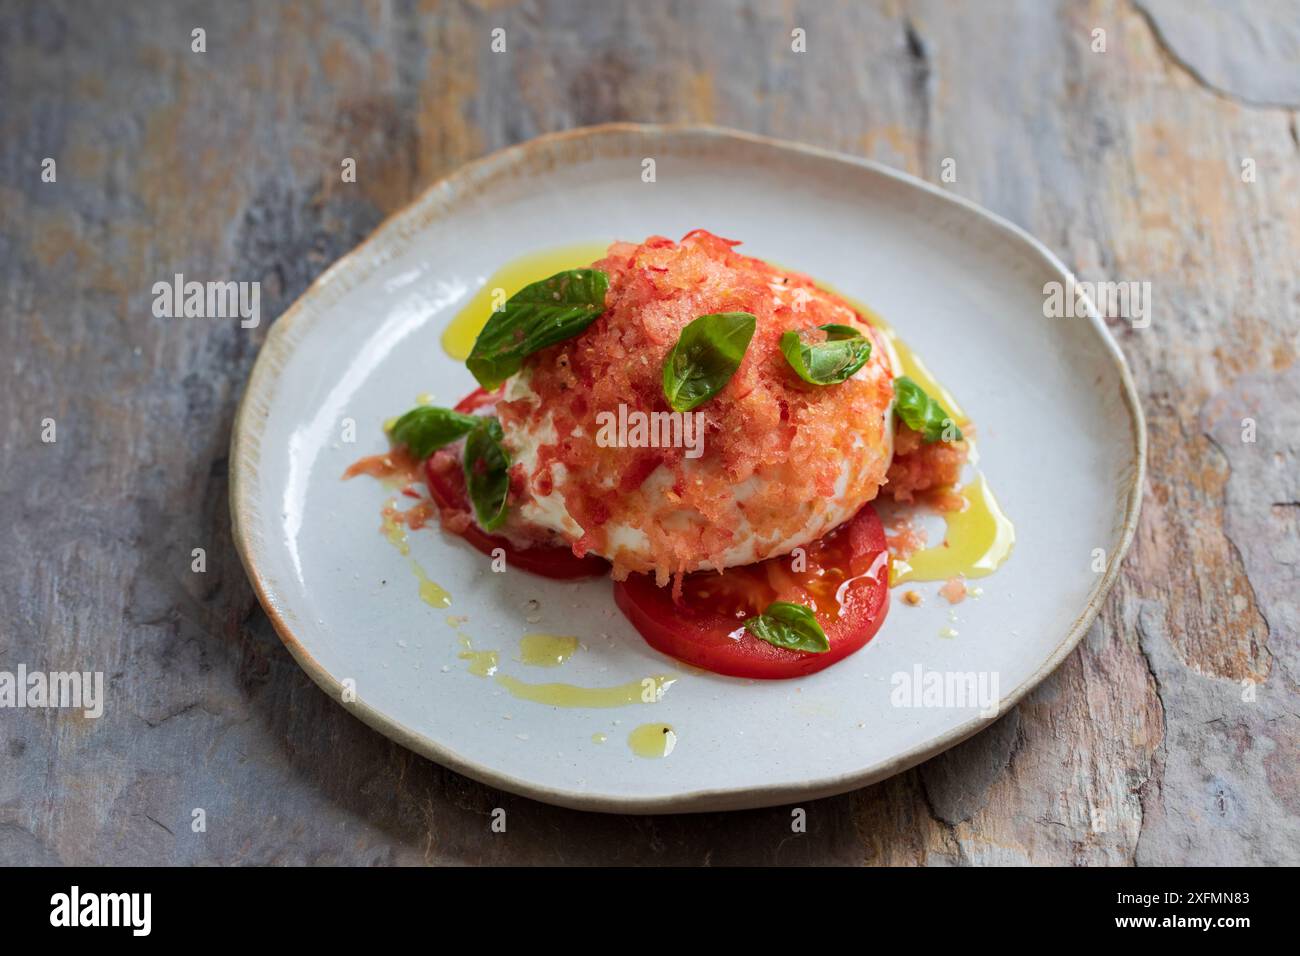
(774, 447)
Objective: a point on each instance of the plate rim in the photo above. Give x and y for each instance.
(434, 202)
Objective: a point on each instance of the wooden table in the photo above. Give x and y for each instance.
(1172, 156)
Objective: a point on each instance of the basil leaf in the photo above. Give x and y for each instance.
(535, 317)
(830, 362)
(706, 355)
(921, 413)
(426, 429)
(487, 473)
(791, 626)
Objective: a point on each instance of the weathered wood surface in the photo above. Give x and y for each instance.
(1146, 746)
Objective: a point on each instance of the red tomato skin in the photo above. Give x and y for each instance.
(544, 560)
(702, 639)
(476, 399)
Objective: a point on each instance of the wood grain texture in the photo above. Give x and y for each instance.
(1169, 736)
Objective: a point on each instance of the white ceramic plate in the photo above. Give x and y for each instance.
(1061, 441)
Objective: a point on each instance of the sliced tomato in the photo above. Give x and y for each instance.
(446, 481)
(844, 579)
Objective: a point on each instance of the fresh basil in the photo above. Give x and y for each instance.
(537, 316)
(921, 413)
(706, 355)
(830, 362)
(791, 626)
(487, 473)
(426, 429)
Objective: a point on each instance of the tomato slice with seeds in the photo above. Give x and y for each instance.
(844, 579)
(446, 481)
